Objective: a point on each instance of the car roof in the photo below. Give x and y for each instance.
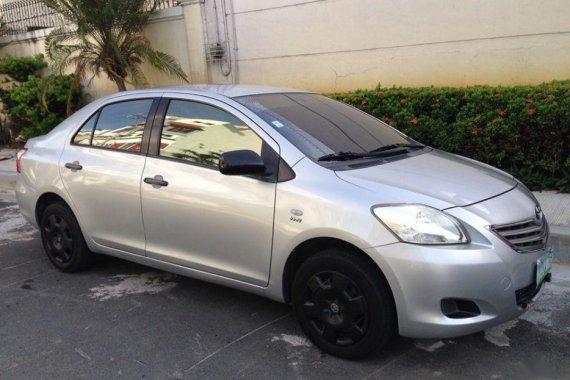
(227, 90)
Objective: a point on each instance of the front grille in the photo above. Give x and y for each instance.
(526, 236)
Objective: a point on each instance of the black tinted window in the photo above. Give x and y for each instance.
(121, 125)
(318, 125)
(83, 136)
(200, 133)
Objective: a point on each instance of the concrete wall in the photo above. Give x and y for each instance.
(337, 45)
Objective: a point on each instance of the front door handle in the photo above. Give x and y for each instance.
(156, 181)
(73, 165)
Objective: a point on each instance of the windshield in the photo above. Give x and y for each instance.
(322, 127)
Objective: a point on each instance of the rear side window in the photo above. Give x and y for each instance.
(83, 136)
(116, 126)
(121, 125)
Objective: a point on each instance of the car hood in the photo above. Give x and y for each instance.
(438, 179)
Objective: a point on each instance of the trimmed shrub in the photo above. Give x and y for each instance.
(39, 104)
(35, 105)
(524, 130)
(19, 68)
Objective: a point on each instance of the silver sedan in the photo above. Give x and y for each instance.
(292, 196)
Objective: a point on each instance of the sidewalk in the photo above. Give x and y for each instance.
(556, 206)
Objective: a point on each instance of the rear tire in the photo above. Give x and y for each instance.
(343, 304)
(62, 239)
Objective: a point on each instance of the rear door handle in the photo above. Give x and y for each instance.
(73, 165)
(156, 181)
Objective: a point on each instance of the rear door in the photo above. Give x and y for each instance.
(198, 217)
(101, 169)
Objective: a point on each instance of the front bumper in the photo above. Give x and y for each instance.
(487, 275)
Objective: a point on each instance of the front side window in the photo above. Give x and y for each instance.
(199, 133)
(120, 125)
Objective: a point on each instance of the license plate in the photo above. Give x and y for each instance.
(543, 266)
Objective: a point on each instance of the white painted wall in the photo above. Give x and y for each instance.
(337, 45)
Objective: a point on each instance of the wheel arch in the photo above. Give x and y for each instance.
(311, 247)
(45, 200)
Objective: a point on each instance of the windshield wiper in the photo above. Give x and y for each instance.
(383, 151)
(342, 156)
(399, 145)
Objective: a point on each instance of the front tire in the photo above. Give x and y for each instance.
(343, 304)
(62, 239)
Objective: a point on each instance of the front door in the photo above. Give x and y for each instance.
(197, 217)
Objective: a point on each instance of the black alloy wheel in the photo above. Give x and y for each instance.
(344, 304)
(336, 308)
(58, 239)
(62, 239)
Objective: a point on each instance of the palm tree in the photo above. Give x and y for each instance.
(106, 36)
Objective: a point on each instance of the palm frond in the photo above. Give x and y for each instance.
(107, 38)
(137, 77)
(166, 63)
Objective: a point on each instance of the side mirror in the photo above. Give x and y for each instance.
(241, 162)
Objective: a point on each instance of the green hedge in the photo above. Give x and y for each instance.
(37, 105)
(34, 105)
(19, 68)
(524, 130)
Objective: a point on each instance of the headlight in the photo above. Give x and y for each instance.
(421, 224)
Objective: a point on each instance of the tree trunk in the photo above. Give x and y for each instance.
(120, 82)
(75, 85)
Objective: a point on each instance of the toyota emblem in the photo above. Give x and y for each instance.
(538, 212)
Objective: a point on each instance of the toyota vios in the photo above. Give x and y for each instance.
(292, 196)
